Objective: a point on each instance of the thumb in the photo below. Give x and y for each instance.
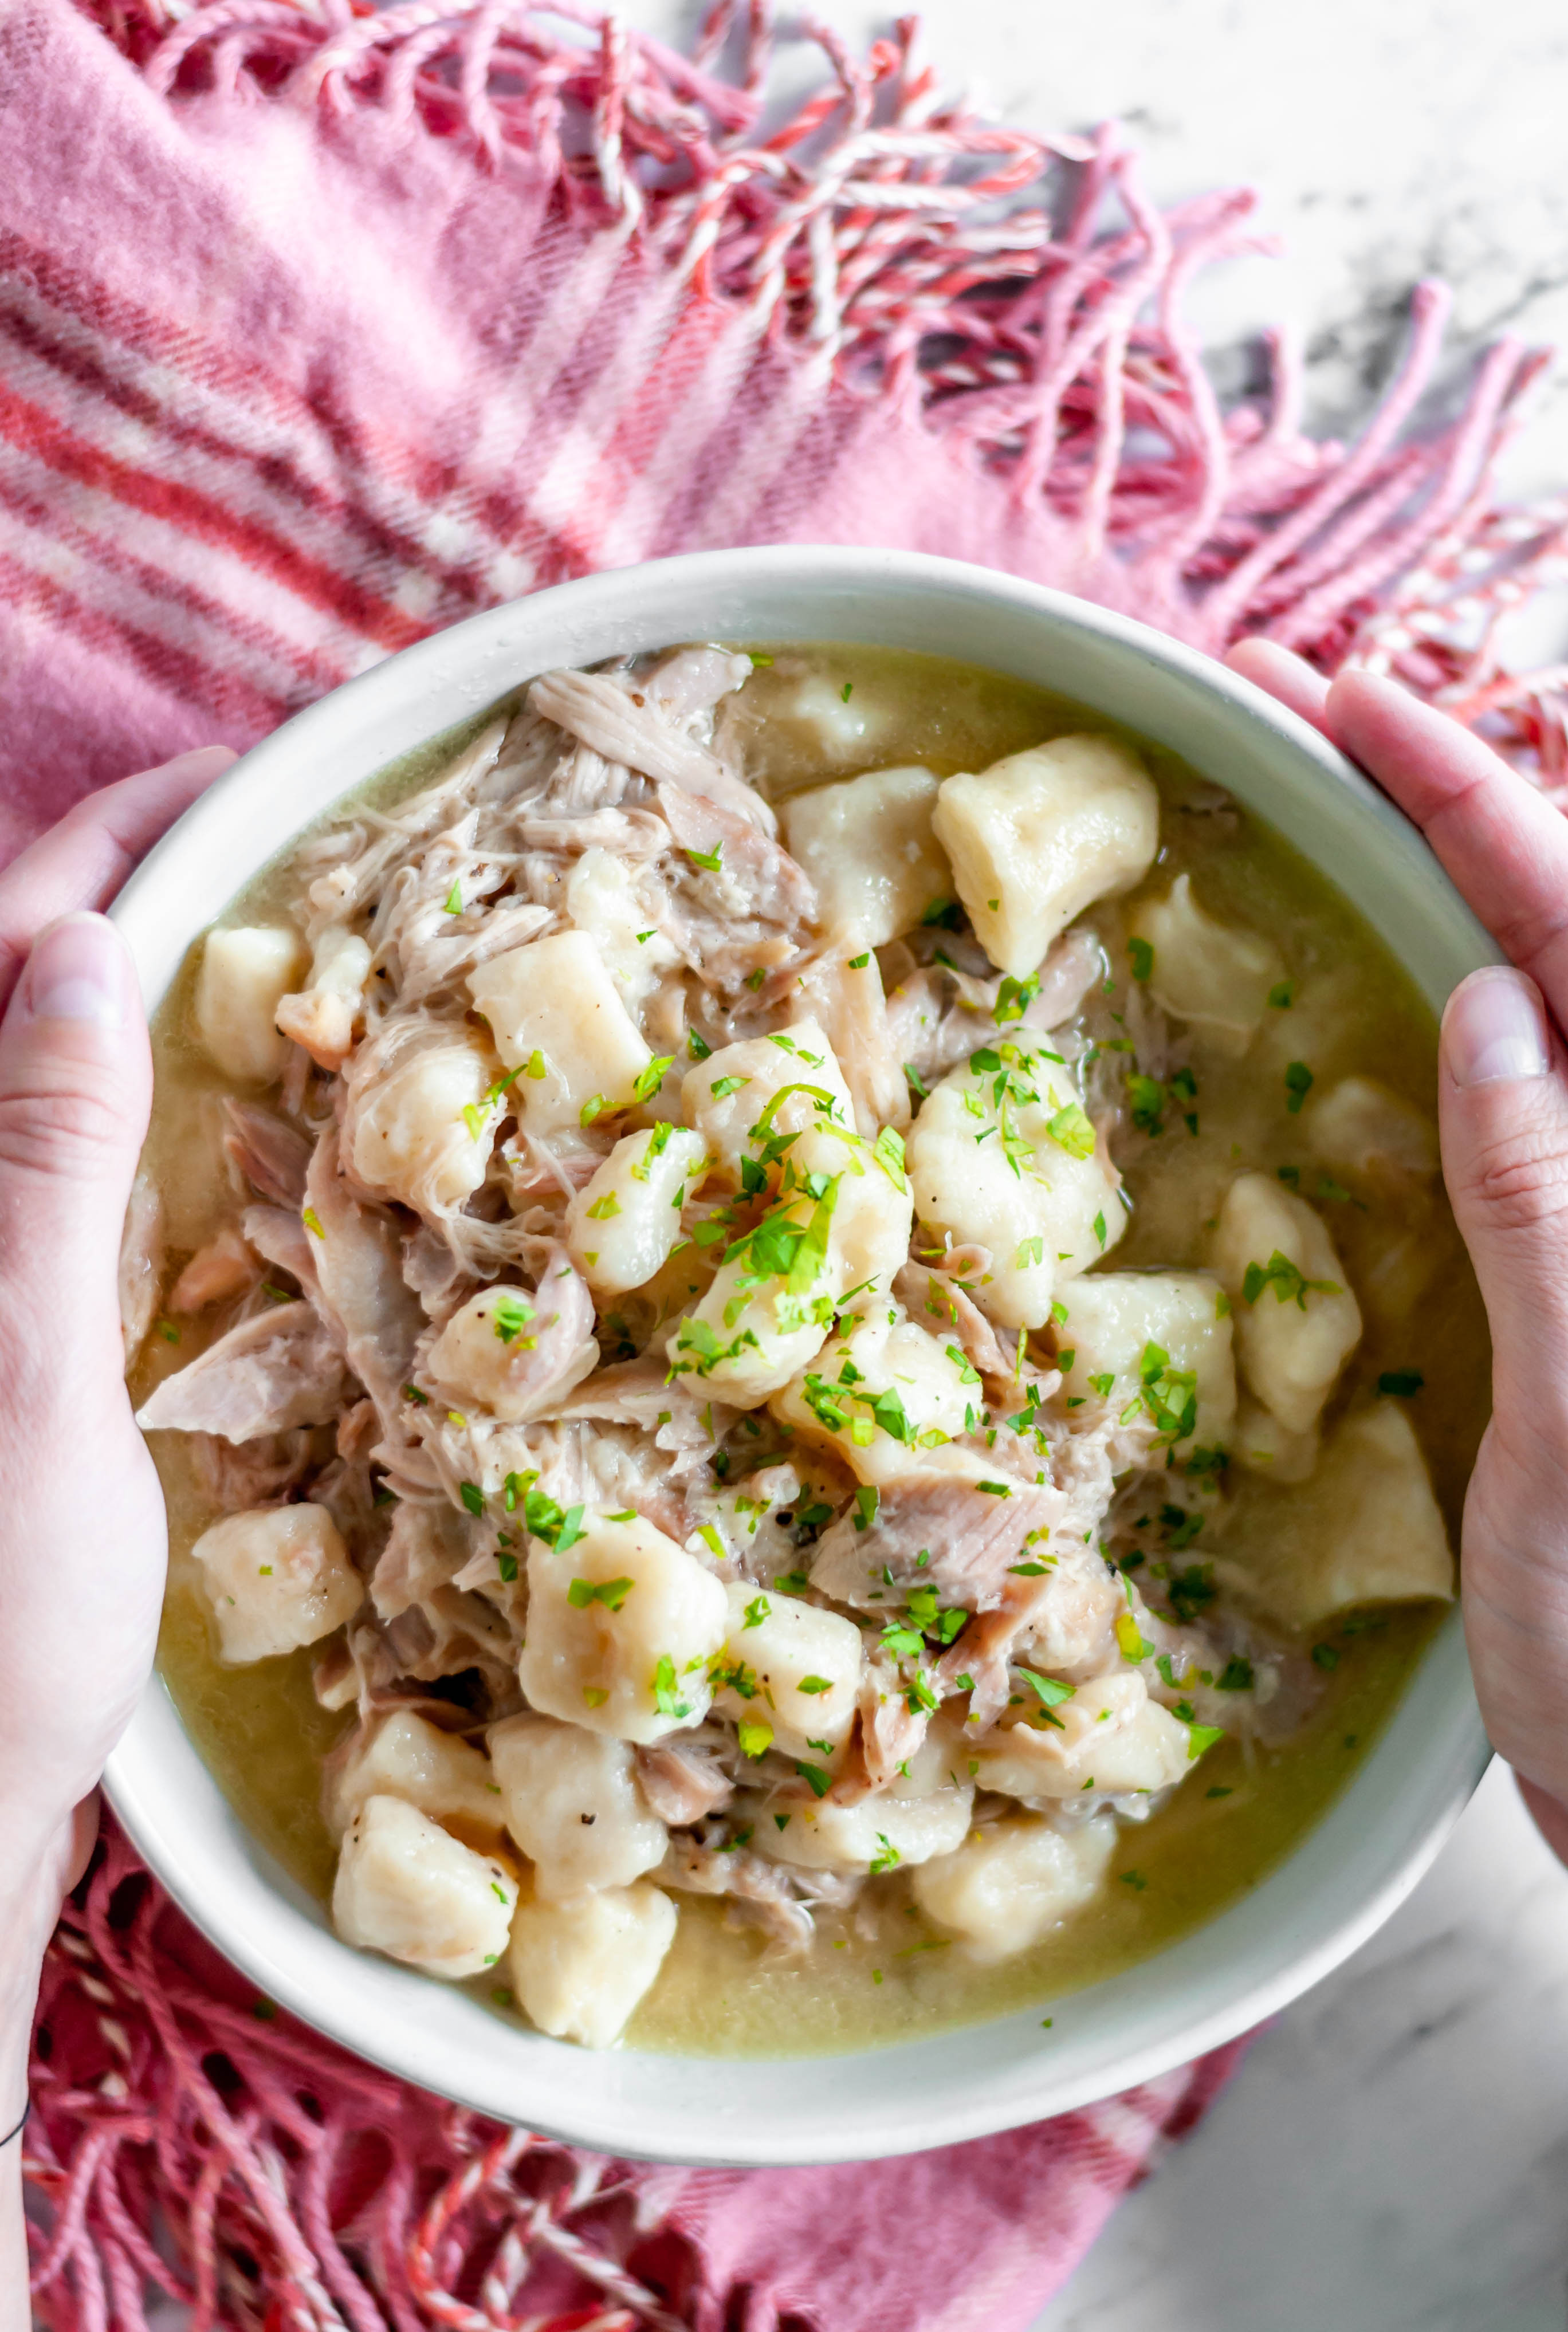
(1504, 1131)
(75, 1083)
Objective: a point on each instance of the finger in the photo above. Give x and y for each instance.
(1285, 676)
(1502, 842)
(1550, 1818)
(75, 1081)
(84, 860)
(1502, 1096)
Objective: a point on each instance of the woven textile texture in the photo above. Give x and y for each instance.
(319, 329)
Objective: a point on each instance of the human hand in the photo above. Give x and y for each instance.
(82, 1521)
(1503, 1106)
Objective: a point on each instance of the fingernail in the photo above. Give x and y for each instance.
(1495, 1028)
(78, 971)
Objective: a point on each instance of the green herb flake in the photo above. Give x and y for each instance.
(1401, 1382)
(472, 1495)
(755, 1737)
(313, 1222)
(1282, 995)
(1298, 1084)
(611, 1592)
(815, 1779)
(859, 962)
(650, 1079)
(1141, 956)
(1325, 1657)
(1071, 1131)
(710, 859)
(454, 901)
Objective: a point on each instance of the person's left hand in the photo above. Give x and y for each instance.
(81, 1519)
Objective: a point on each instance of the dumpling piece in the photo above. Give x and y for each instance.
(621, 1628)
(515, 1354)
(580, 1964)
(1297, 1321)
(1003, 1156)
(401, 1754)
(322, 1016)
(1211, 974)
(246, 970)
(884, 1397)
(867, 845)
(1107, 1735)
(1369, 1133)
(623, 1224)
(420, 1131)
(1259, 1443)
(1163, 1338)
(275, 1578)
(407, 1888)
(1039, 837)
(787, 1083)
(1364, 1528)
(787, 1670)
(1010, 1883)
(573, 1805)
(601, 898)
(878, 1833)
(556, 1014)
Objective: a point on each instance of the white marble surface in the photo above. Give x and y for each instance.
(1393, 2154)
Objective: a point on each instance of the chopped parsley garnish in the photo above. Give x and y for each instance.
(1218, 1790)
(942, 915)
(1192, 1591)
(603, 1209)
(1401, 1382)
(1236, 1676)
(914, 1081)
(1051, 1691)
(472, 1495)
(886, 1857)
(698, 1046)
(847, 691)
(313, 1222)
(611, 1592)
(543, 1516)
(650, 1079)
(859, 962)
(1287, 1280)
(711, 859)
(756, 1611)
(1014, 996)
(755, 1737)
(1134, 1645)
(814, 1686)
(420, 1400)
(595, 1106)
(1325, 1657)
(1282, 995)
(818, 1781)
(1200, 1737)
(722, 1087)
(506, 1563)
(666, 1690)
(1147, 1095)
(1102, 1384)
(1141, 956)
(994, 1489)
(1298, 1084)
(1099, 1227)
(1071, 1131)
(866, 1500)
(1134, 1879)
(511, 1314)
(453, 901)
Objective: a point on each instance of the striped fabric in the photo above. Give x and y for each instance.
(322, 328)
(318, 331)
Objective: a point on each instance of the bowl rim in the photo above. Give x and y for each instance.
(249, 1908)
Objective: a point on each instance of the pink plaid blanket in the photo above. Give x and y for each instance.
(321, 328)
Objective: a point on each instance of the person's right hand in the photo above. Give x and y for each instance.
(1503, 1100)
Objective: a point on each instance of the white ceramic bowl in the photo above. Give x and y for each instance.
(1345, 1877)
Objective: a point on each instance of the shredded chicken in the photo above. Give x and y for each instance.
(533, 1402)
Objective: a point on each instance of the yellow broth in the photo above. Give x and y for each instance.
(880, 1973)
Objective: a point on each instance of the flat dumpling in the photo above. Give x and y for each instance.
(1214, 975)
(1157, 1341)
(1003, 1156)
(1297, 1320)
(1039, 837)
(1364, 1527)
(868, 846)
